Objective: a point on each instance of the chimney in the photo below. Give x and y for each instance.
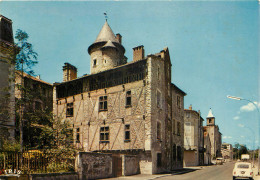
(190, 108)
(69, 72)
(138, 53)
(119, 38)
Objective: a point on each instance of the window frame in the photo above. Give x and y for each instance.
(70, 109)
(128, 97)
(104, 134)
(103, 103)
(127, 133)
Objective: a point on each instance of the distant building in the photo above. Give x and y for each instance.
(214, 134)
(227, 151)
(207, 148)
(193, 138)
(129, 108)
(7, 104)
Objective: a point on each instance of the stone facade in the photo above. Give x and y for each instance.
(227, 151)
(130, 108)
(193, 138)
(214, 135)
(207, 147)
(7, 100)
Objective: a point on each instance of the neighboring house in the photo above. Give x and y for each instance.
(129, 108)
(207, 147)
(193, 138)
(214, 134)
(38, 96)
(7, 101)
(227, 151)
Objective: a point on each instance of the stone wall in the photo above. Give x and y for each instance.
(130, 165)
(94, 165)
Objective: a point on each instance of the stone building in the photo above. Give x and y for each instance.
(127, 108)
(193, 138)
(227, 151)
(38, 96)
(214, 134)
(7, 101)
(207, 148)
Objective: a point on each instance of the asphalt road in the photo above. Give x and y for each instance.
(217, 172)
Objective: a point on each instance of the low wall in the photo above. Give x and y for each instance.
(94, 165)
(54, 176)
(130, 165)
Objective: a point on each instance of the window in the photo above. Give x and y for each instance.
(178, 128)
(174, 152)
(169, 111)
(103, 103)
(69, 112)
(159, 159)
(104, 134)
(128, 99)
(37, 106)
(187, 127)
(173, 126)
(127, 132)
(179, 153)
(158, 130)
(77, 136)
(158, 99)
(94, 62)
(178, 101)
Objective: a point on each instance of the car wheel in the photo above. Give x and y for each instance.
(234, 178)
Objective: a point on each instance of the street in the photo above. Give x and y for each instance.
(218, 172)
(215, 172)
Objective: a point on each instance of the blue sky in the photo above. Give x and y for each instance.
(213, 48)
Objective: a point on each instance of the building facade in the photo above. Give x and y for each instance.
(7, 100)
(214, 134)
(227, 151)
(127, 108)
(193, 138)
(37, 98)
(207, 148)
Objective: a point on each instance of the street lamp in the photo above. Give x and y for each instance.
(239, 98)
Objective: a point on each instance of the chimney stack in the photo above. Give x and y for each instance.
(119, 38)
(190, 108)
(69, 72)
(138, 53)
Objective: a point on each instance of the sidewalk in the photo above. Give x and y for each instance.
(155, 176)
(256, 176)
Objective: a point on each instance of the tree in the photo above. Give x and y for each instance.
(25, 59)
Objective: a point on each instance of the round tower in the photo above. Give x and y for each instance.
(107, 51)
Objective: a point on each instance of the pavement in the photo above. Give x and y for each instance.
(256, 176)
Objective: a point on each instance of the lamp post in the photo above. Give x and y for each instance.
(239, 98)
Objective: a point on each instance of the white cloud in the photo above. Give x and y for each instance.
(226, 137)
(241, 125)
(236, 118)
(249, 107)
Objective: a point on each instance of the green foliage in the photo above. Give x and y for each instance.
(26, 57)
(238, 150)
(9, 145)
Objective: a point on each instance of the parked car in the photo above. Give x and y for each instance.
(219, 161)
(243, 170)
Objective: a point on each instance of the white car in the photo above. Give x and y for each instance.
(243, 170)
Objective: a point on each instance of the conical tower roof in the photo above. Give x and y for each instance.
(210, 115)
(106, 34)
